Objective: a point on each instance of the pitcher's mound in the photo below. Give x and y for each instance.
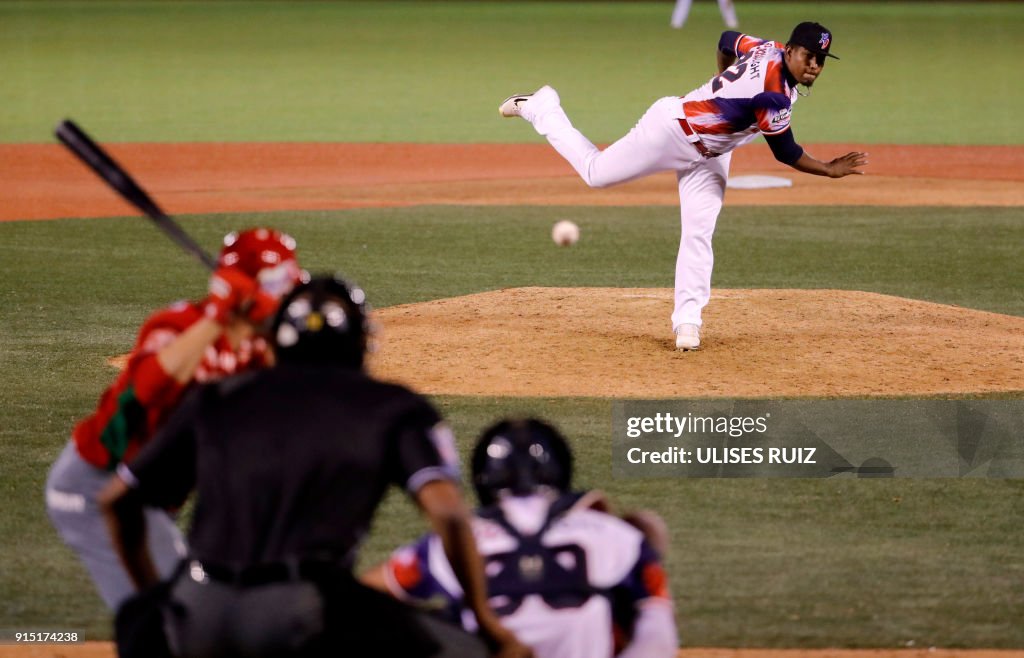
(616, 342)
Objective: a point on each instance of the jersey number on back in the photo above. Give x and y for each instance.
(730, 74)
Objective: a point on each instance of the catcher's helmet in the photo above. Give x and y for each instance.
(520, 457)
(266, 255)
(322, 321)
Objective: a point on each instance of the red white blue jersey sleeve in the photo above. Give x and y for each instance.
(751, 97)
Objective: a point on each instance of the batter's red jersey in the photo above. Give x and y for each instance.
(142, 396)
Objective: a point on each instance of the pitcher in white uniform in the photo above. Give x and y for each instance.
(694, 135)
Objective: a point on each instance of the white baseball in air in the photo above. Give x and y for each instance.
(565, 233)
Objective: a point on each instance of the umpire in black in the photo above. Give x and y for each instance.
(289, 464)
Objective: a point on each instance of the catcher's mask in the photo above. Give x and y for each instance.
(265, 254)
(322, 321)
(518, 458)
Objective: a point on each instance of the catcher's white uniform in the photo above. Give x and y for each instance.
(693, 136)
(558, 573)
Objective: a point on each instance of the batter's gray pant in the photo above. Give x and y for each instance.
(71, 490)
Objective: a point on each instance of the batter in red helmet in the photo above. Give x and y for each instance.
(177, 346)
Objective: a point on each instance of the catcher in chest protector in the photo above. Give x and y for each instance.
(568, 578)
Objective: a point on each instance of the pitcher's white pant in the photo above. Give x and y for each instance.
(656, 143)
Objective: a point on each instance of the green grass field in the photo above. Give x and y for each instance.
(784, 563)
(852, 563)
(435, 71)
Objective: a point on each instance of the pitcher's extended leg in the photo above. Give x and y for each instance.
(655, 144)
(701, 192)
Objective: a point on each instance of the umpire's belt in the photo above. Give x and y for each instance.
(254, 575)
(694, 138)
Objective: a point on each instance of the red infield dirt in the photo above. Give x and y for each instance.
(757, 342)
(921, 348)
(43, 181)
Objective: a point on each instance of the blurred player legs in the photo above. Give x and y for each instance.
(725, 7)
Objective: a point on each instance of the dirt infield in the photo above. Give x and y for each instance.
(106, 650)
(42, 181)
(757, 343)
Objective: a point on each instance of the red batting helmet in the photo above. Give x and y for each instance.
(266, 255)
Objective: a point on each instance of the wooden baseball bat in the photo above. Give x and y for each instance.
(93, 155)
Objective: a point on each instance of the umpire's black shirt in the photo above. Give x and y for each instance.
(290, 461)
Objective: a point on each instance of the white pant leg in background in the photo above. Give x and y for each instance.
(655, 144)
(728, 11)
(725, 7)
(701, 193)
(680, 12)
